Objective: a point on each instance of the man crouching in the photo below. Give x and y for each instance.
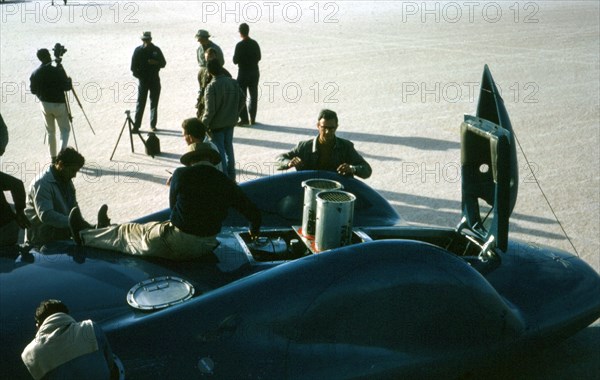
(200, 197)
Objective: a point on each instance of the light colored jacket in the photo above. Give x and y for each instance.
(66, 349)
(223, 101)
(48, 206)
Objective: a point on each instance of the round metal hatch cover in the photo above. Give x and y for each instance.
(159, 292)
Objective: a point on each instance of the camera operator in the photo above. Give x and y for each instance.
(49, 84)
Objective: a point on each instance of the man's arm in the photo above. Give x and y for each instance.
(3, 136)
(65, 81)
(33, 83)
(284, 159)
(44, 207)
(162, 62)
(246, 207)
(200, 56)
(295, 157)
(209, 104)
(135, 64)
(236, 54)
(361, 166)
(174, 188)
(16, 188)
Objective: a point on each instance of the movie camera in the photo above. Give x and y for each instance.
(59, 50)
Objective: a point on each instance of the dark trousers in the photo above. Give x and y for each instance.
(145, 86)
(249, 87)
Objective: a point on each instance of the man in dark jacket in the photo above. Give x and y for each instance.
(199, 197)
(146, 62)
(247, 56)
(10, 220)
(49, 84)
(326, 152)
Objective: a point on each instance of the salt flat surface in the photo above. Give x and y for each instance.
(400, 75)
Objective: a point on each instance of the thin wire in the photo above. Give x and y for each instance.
(544, 194)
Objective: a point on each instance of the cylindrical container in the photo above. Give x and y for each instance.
(335, 211)
(311, 188)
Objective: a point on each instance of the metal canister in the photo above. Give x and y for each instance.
(335, 213)
(311, 188)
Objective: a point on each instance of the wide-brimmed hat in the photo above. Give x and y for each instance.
(202, 151)
(202, 34)
(146, 36)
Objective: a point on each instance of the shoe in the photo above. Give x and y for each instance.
(135, 130)
(103, 220)
(252, 122)
(76, 224)
(243, 123)
(154, 129)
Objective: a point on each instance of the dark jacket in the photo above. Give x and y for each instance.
(343, 152)
(200, 197)
(140, 67)
(247, 56)
(49, 83)
(16, 188)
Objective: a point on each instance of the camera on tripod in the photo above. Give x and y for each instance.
(59, 50)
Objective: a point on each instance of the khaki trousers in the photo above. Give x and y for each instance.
(158, 239)
(56, 113)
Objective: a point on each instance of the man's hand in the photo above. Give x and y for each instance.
(295, 162)
(346, 170)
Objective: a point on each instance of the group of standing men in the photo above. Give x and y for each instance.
(221, 103)
(222, 100)
(247, 55)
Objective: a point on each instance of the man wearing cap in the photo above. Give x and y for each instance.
(203, 38)
(199, 197)
(247, 56)
(146, 62)
(49, 84)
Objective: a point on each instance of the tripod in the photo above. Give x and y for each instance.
(59, 64)
(129, 123)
